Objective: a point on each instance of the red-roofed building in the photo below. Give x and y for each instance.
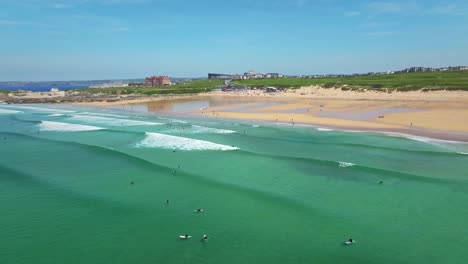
(158, 81)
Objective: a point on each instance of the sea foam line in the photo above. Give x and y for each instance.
(6, 111)
(422, 139)
(156, 140)
(42, 109)
(110, 121)
(173, 120)
(103, 114)
(202, 129)
(65, 127)
(324, 129)
(343, 164)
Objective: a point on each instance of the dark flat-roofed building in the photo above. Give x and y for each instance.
(222, 76)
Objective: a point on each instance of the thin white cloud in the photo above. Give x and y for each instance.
(416, 7)
(56, 33)
(382, 34)
(60, 5)
(10, 22)
(450, 9)
(352, 13)
(301, 3)
(384, 7)
(115, 2)
(119, 29)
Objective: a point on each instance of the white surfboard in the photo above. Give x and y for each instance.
(184, 237)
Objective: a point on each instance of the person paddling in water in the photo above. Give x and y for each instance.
(199, 210)
(205, 237)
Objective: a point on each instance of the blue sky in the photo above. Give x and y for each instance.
(112, 39)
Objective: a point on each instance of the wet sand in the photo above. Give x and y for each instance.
(442, 115)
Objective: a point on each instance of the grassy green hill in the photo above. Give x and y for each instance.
(198, 86)
(450, 80)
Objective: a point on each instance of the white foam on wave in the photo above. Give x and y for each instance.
(463, 153)
(422, 139)
(6, 111)
(324, 129)
(65, 127)
(111, 121)
(156, 140)
(103, 114)
(55, 115)
(343, 164)
(174, 120)
(43, 109)
(202, 129)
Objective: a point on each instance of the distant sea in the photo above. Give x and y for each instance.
(62, 85)
(68, 85)
(43, 86)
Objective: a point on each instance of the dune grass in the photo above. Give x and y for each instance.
(198, 86)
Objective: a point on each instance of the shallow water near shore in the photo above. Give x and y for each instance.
(90, 186)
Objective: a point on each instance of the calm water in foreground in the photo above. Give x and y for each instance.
(270, 193)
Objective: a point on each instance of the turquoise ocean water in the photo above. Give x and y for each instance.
(270, 193)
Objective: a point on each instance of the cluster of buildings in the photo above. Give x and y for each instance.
(255, 75)
(154, 81)
(245, 76)
(429, 69)
(407, 70)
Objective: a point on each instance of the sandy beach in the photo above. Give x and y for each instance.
(438, 114)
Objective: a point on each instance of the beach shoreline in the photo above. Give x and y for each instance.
(434, 114)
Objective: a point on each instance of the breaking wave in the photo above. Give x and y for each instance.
(202, 129)
(43, 109)
(103, 114)
(421, 138)
(110, 121)
(65, 127)
(5, 111)
(173, 120)
(324, 129)
(156, 140)
(343, 164)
